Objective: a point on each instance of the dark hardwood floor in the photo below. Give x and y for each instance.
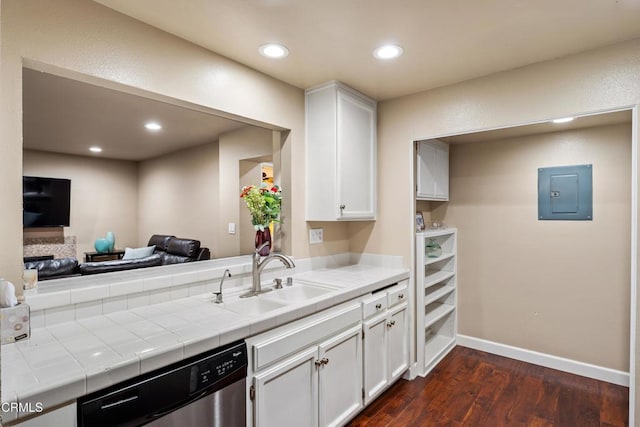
(473, 388)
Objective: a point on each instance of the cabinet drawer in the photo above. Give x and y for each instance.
(397, 294)
(306, 333)
(374, 304)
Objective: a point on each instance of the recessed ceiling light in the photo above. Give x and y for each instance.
(153, 126)
(273, 50)
(388, 51)
(563, 120)
(95, 149)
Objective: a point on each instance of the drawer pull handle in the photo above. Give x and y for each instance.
(322, 361)
(378, 306)
(390, 324)
(400, 296)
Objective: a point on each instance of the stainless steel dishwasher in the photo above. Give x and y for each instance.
(202, 391)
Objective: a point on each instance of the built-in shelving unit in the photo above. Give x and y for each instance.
(436, 298)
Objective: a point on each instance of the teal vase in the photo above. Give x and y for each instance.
(101, 245)
(433, 249)
(111, 238)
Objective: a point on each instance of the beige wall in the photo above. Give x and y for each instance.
(107, 45)
(593, 81)
(245, 143)
(557, 287)
(103, 195)
(178, 196)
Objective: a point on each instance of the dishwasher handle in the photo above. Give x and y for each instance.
(119, 402)
(182, 405)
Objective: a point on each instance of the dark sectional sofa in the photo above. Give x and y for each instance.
(169, 250)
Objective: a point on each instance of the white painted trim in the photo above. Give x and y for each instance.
(546, 360)
(413, 309)
(634, 266)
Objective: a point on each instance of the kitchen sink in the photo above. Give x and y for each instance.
(298, 292)
(253, 305)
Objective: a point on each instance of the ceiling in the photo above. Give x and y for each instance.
(68, 116)
(444, 41)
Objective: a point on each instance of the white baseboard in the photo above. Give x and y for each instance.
(547, 360)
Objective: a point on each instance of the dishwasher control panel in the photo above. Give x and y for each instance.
(213, 369)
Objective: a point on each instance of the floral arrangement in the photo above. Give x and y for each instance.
(264, 204)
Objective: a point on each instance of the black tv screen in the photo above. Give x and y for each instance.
(46, 202)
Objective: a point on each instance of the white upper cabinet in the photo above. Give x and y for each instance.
(340, 154)
(432, 170)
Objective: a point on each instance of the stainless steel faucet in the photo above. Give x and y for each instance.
(218, 294)
(259, 263)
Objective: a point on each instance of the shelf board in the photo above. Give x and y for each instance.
(444, 256)
(437, 313)
(436, 295)
(435, 232)
(434, 347)
(434, 277)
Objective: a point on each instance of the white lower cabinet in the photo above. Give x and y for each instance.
(323, 369)
(340, 378)
(398, 342)
(308, 373)
(318, 386)
(287, 394)
(386, 340)
(376, 365)
(62, 416)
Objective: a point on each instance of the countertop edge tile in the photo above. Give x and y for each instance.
(59, 392)
(107, 376)
(160, 357)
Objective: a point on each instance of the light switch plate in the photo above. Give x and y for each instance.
(232, 228)
(315, 235)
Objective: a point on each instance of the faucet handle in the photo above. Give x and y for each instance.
(218, 299)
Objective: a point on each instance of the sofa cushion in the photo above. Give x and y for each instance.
(183, 247)
(168, 258)
(135, 253)
(52, 268)
(120, 265)
(204, 254)
(160, 240)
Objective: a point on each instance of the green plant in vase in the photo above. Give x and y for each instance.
(264, 205)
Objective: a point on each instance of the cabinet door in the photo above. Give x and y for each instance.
(340, 377)
(442, 172)
(398, 341)
(432, 170)
(376, 364)
(287, 394)
(356, 158)
(426, 175)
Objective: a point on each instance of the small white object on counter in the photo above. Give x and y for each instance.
(7, 294)
(14, 323)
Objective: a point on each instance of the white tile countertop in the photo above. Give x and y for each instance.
(64, 361)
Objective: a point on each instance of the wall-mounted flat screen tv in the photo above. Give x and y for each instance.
(46, 202)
